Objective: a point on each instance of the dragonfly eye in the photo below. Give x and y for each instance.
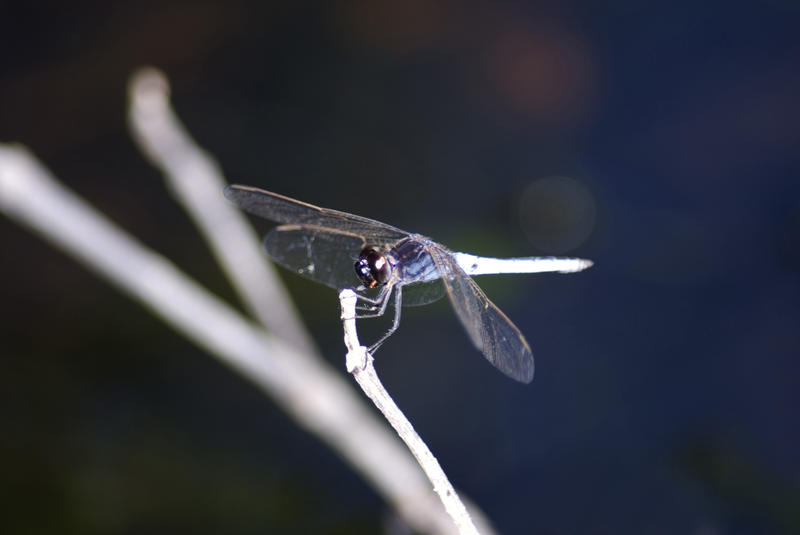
(372, 267)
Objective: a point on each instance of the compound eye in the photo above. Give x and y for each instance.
(372, 268)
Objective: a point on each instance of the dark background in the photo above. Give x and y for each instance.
(667, 383)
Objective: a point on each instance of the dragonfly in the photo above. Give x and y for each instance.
(385, 264)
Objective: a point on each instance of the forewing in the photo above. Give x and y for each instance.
(489, 329)
(286, 210)
(317, 253)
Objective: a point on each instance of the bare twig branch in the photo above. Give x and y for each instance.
(306, 388)
(196, 181)
(359, 363)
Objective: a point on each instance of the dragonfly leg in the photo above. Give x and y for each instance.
(398, 299)
(368, 303)
(376, 306)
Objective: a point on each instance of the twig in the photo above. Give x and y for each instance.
(360, 364)
(196, 181)
(308, 389)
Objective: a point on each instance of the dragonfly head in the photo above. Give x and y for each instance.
(372, 267)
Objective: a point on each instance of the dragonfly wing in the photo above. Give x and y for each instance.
(423, 293)
(490, 330)
(320, 254)
(286, 210)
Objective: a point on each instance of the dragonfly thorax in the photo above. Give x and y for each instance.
(372, 267)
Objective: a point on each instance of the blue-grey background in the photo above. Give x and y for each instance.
(667, 383)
